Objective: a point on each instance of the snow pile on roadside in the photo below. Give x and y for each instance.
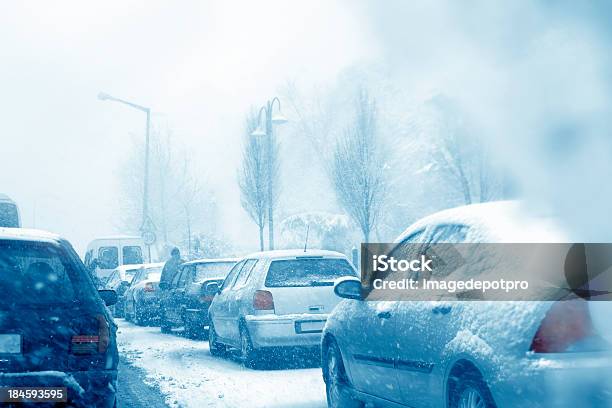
(189, 376)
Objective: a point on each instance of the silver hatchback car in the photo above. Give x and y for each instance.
(276, 299)
(462, 354)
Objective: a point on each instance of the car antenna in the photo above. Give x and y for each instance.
(307, 231)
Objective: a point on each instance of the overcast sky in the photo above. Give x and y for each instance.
(533, 75)
(198, 65)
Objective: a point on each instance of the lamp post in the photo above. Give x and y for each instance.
(266, 131)
(145, 196)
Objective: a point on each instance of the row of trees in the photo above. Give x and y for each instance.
(374, 168)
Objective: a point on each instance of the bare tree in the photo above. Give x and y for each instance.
(179, 204)
(358, 167)
(252, 177)
(457, 152)
(192, 200)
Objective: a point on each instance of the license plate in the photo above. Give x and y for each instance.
(10, 343)
(315, 326)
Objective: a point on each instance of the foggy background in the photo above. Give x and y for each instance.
(528, 80)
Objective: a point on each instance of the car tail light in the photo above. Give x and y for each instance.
(93, 343)
(148, 287)
(263, 300)
(565, 324)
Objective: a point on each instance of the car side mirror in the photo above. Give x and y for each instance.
(108, 296)
(211, 289)
(348, 289)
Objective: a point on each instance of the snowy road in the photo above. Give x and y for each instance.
(133, 390)
(185, 372)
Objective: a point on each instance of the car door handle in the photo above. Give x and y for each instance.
(442, 310)
(384, 315)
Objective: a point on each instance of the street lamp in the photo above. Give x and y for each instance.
(266, 130)
(145, 198)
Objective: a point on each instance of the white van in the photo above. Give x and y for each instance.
(9, 213)
(108, 253)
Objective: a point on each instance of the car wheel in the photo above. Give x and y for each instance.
(471, 392)
(335, 380)
(120, 310)
(164, 325)
(216, 349)
(138, 315)
(192, 331)
(250, 356)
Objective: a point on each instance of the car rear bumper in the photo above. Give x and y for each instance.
(198, 315)
(85, 388)
(149, 307)
(558, 380)
(299, 330)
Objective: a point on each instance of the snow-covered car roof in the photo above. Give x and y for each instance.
(117, 238)
(295, 253)
(211, 260)
(24, 234)
(138, 266)
(499, 221)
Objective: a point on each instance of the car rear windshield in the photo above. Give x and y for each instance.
(37, 274)
(132, 255)
(212, 270)
(307, 272)
(151, 274)
(129, 274)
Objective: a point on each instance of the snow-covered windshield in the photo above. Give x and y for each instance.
(211, 270)
(307, 272)
(35, 274)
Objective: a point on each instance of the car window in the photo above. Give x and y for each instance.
(245, 273)
(307, 272)
(227, 283)
(415, 237)
(130, 274)
(406, 249)
(132, 255)
(113, 278)
(185, 276)
(212, 270)
(108, 257)
(451, 233)
(87, 260)
(37, 274)
(151, 273)
(9, 217)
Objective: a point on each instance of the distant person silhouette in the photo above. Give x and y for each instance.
(170, 269)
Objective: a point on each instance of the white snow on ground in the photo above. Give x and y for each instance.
(189, 376)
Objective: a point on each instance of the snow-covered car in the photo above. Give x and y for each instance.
(120, 280)
(55, 330)
(187, 300)
(469, 354)
(142, 298)
(275, 299)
